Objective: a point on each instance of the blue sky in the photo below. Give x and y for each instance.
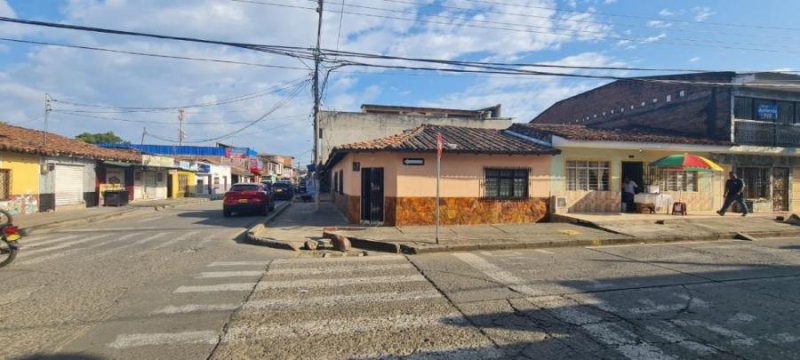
(712, 35)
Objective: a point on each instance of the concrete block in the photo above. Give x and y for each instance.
(311, 244)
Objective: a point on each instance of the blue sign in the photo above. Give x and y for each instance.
(204, 168)
(767, 112)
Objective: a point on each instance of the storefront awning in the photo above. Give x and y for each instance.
(118, 163)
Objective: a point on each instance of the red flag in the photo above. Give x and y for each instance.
(439, 144)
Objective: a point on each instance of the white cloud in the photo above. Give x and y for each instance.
(666, 12)
(702, 13)
(654, 38)
(129, 80)
(658, 24)
(694, 59)
(609, 1)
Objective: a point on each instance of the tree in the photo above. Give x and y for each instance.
(101, 138)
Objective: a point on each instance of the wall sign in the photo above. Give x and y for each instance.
(413, 161)
(768, 112)
(356, 166)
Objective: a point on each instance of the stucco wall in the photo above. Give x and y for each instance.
(47, 185)
(24, 194)
(340, 128)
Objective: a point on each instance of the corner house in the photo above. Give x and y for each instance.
(487, 176)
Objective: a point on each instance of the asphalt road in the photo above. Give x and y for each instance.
(173, 285)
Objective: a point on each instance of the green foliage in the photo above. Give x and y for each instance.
(101, 138)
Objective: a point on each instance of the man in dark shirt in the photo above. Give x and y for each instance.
(734, 189)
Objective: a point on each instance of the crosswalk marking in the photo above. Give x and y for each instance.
(497, 273)
(187, 337)
(43, 241)
(192, 308)
(67, 252)
(355, 259)
(239, 263)
(175, 240)
(339, 269)
(215, 288)
(131, 244)
(339, 326)
(292, 303)
(63, 245)
(320, 283)
(227, 274)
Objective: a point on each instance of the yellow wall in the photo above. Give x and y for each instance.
(24, 183)
(708, 198)
(176, 190)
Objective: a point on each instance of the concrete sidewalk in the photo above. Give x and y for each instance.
(50, 220)
(698, 227)
(298, 223)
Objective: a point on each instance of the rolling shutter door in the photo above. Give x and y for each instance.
(69, 185)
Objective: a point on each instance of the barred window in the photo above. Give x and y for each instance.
(670, 180)
(5, 184)
(756, 182)
(506, 183)
(587, 175)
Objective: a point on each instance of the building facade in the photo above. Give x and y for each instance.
(487, 176)
(756, 112)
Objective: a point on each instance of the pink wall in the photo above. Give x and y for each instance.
(462, 174)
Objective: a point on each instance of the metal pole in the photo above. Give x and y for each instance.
(317, 59)
(47, 110)
(180, 127)
(438, 174)
(144, 132)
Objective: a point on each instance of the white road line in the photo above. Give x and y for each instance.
(68, 252)
(227, 274)
(333, 300)
(208, 239)
(498, 274)
(441, 353)
(176, 240)
(130, 244)
(193, 308)
(680, 339)
(355, 259)
(43, 240)
(215, 288)
(311, 329)
(737, 337)
(321, 283)
(187, 337)
(239, 263)
(339, 269)
(62, 245)
(149, 219)
(544, 251)
(625, 342)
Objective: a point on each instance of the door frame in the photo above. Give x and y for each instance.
(365, 212)
(640, 184)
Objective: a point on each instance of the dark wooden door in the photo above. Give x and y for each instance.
(780, 189)
(372, 195)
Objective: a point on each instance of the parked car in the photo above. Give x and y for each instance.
(247, 197)
(282, 191)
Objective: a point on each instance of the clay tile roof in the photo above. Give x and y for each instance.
(457, 140)
(583, 133)
(29, 141)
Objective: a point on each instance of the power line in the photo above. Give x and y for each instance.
(470, 23)
(632, 16)
(170, 123)
(130, 109)
(221, 61)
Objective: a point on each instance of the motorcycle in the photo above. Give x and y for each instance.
(9, 237)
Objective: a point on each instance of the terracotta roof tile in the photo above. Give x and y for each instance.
(584, 133)
(29, 141)
(457, 140)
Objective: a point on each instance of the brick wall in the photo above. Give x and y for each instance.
(699, 111)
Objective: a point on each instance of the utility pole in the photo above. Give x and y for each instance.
(317, 59)
(144, 132)
(180, 127)
(47, 109)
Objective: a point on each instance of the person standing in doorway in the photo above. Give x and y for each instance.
(628, 192)
(734, 192)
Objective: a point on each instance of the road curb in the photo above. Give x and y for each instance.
(252, 237)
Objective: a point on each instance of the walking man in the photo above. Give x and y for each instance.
(734, 189)
(628, 193)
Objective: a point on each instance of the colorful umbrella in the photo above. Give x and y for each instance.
(686, 162)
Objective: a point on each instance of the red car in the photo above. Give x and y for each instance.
(247, 197)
